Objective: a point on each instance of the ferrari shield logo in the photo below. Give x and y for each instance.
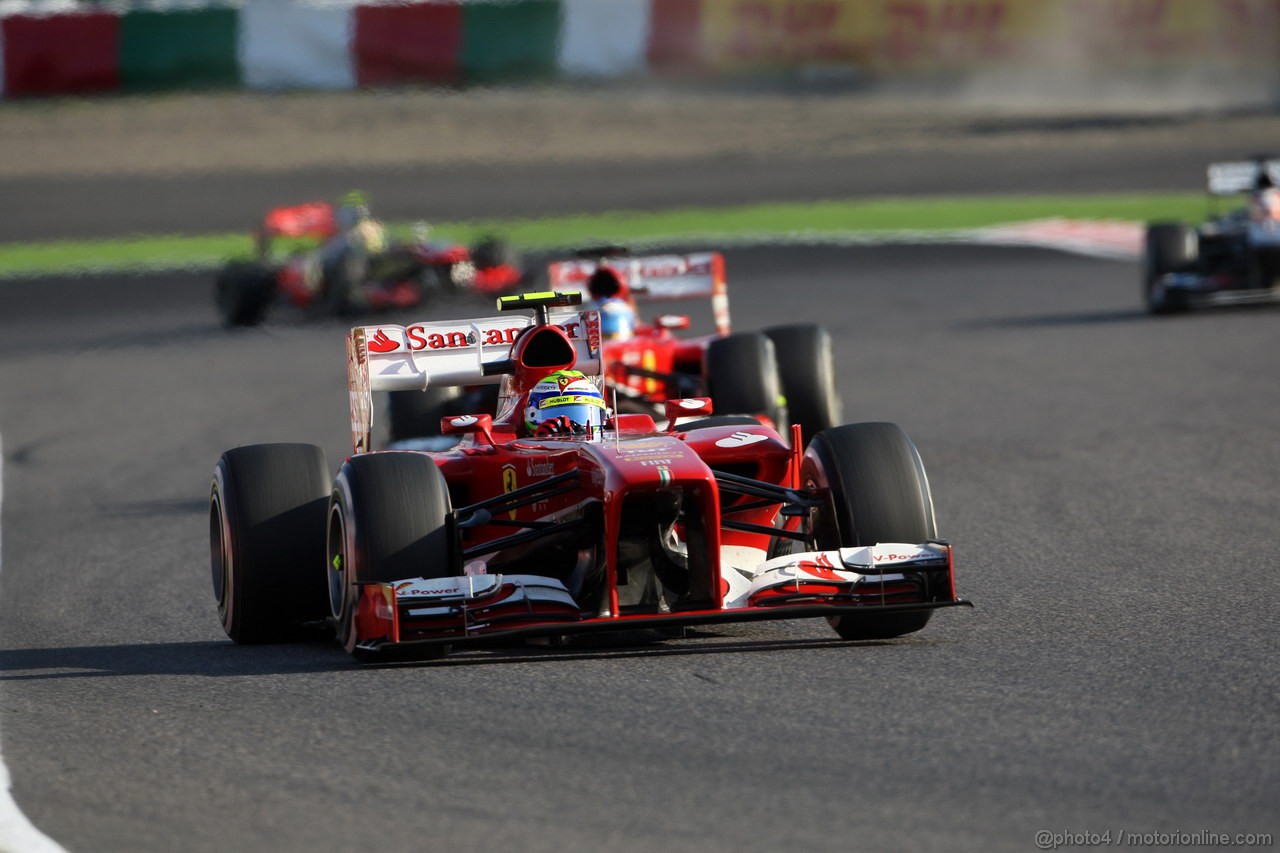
(509, 483)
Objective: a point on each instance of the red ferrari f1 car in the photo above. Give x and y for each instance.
(784, 374)
(333, 277)
(559, 517)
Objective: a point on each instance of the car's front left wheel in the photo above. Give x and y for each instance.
(387, 522)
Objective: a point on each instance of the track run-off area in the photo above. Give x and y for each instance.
(1110, 482)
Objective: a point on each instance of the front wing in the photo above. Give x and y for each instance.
(1218, 289)
(405, 619)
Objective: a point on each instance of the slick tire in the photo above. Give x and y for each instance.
(267, 515)
(878, 492)
(743, 379)
(387, 521)
(344, 283)
(807, 370)
(1170, 248)
(243, 292)
(417, 414)
(491, 252)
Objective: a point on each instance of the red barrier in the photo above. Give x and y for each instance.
(421, 43)
(675, 35)
(61, 54)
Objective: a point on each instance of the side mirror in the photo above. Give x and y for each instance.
(686, 408)
(672, 322)
(463, 424)
(633, 423)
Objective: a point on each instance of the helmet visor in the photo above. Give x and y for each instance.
(580, 408)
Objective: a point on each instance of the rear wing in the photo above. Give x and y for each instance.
(312, 220)
(657, 278)
(448, 352)
(1243, 176)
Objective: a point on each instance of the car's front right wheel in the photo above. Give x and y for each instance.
(877, 491)
(1170, 248)
(267, 510)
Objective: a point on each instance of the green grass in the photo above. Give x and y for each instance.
(828, 219)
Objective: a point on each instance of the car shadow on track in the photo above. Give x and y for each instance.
(218, 659)
(214, 659)
(693, 646)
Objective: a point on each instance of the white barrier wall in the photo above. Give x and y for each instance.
(603, 38)
(293, 46)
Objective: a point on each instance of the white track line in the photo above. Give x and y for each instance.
(17, 834)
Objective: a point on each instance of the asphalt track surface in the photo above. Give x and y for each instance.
(1032, 156)
(1110, 482)
(227, 202)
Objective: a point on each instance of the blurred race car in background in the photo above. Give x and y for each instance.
(301, 259)
(600, 524)
(1234, 257)
(784, 374)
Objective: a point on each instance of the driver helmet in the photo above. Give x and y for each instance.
(565, 393)
(352, 210)
(605, 283)
(1267, 204)
(617, 319)
(613, 301)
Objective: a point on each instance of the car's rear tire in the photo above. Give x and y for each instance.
(243, 291)
(491, 252)
(878, 492)
(417, 414)
(807, 370)
(387, 521)
(743, 379)
(267, 512)
(1170, 248)
(344, 283)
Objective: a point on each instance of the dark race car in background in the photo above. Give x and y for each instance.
(1233, 257)
(292, 267)
(783, 375)
(618, 528)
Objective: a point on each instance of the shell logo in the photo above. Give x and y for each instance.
(741, 439)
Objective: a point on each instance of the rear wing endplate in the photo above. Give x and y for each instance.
(448, 353)
(657, 278)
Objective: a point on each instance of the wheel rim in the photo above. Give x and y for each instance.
(220, 557)
(823, 524)
(337, 565)
(1156, 293)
